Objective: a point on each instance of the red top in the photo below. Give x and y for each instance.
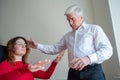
(21, 72)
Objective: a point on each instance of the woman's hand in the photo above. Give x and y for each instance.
(38, 65)
(60, 55)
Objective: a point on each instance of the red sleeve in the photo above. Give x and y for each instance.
(45, 74)
(6, 74)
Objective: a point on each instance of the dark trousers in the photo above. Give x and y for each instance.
(90, 72)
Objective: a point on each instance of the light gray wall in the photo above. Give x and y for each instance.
(103, 18)
(115, 16)
(42, 20)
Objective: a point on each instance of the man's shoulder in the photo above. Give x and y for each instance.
(93, 26)
(68, 34)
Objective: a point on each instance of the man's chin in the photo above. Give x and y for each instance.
(74, 28)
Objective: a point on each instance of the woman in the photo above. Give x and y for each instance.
(15, 67)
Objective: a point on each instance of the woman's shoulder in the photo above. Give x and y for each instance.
(4, 63)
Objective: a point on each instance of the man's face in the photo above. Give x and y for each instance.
(74, 20)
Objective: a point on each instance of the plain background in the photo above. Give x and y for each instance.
(44, 21)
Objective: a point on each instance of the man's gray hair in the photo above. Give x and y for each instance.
(74, 9)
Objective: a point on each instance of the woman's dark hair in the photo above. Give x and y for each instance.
(10, 50)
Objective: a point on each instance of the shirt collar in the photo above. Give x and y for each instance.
(83, 25)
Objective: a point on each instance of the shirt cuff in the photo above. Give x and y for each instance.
(39, 46)
(93, 58)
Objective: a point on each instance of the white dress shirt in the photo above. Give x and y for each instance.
(88, 40)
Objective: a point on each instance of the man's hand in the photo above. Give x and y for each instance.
(79, 63)
(38, 65)
(32, 43)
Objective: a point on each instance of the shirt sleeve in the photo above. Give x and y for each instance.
(52, 49)
(102, 45)
(5, 74)
(45, 74)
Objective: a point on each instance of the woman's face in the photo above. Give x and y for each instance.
(20, 47)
